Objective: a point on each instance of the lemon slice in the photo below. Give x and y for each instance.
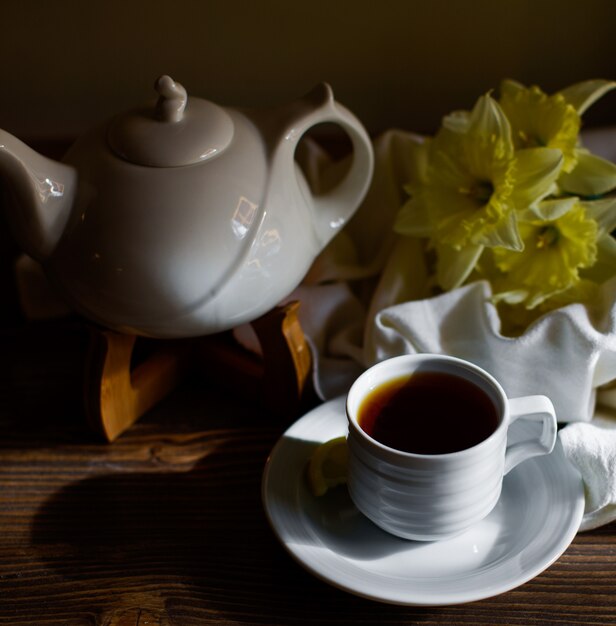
(328, 466)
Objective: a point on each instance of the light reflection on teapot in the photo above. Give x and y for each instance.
(183, 218)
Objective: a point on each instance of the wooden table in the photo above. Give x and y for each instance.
(165, 526)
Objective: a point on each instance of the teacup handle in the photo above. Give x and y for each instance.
(536, 409)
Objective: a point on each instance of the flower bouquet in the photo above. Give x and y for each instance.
(507, 193)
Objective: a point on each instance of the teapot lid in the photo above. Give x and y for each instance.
(177, 131)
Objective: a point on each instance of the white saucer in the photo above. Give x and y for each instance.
(536, 518)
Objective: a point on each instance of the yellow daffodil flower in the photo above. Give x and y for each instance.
(554, 121)
(593, 176)
(472, 187)
(540, 120)
(508, 193)
(603, 212)
(560, 240)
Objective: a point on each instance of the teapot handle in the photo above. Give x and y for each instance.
(334, 208)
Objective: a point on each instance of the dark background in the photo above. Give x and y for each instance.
(65, 65)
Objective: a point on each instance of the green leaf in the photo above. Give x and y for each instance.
(454, 266)
(583, 95)
(592, 176)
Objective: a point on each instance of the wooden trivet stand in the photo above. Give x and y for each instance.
(117, 392)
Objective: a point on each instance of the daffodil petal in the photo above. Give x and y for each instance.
(488, 122)
(510, 88)
(487, 148)
(457, 121)
(535, 299)
(536, 171)
(448, 172)
(454, 266)
(547, 210)
(592, 176)
(515, 296)
(503, 235)
(583, 95)
(604, 267)
(418, 160)
(412, 155)
(414, 218)
(603, 212)
(583, 291)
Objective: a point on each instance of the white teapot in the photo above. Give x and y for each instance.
(182, 218)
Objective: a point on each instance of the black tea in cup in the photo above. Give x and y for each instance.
(428, 413)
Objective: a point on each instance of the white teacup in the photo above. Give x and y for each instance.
(433, 496)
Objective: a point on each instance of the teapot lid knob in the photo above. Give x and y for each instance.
(177, 131)
(171, 101)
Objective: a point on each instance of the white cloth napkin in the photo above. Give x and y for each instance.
(592, 449)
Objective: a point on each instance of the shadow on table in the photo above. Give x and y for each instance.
(197, 539)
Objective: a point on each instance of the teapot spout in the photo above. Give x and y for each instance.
(39, 196)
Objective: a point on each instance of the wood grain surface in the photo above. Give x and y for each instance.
(165, 526)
